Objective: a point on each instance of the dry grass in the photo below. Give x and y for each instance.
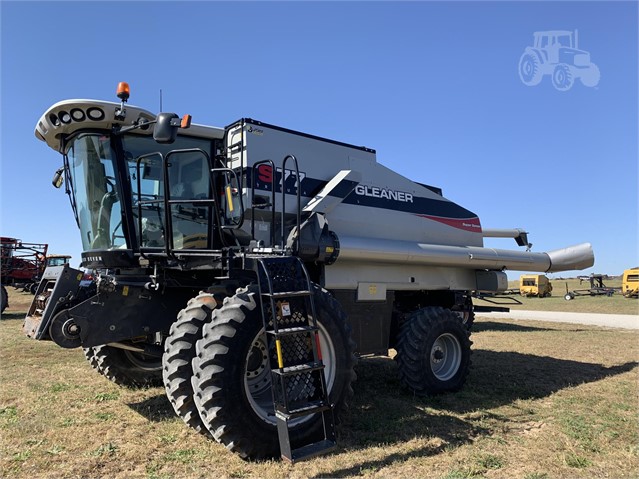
(543, 400)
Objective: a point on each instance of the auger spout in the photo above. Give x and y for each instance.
(390, 251)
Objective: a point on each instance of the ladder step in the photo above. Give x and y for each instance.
(287, 294)
(298, 390)
(311, 450)
(295, 330)
(300, 368)
(311, 407)
(261, 206)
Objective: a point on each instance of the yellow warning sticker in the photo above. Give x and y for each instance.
(125, 291)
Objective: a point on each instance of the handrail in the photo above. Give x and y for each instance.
(299, 198)
(237, 181)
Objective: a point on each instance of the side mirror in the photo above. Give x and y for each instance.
(58, 177)
(166, 126)
(165, 131)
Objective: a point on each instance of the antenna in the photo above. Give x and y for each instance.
(160, 99)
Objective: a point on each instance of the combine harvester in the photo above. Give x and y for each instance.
(245, 267)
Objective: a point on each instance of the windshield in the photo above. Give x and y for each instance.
(57, 261)
(93, 186)
(98, 196)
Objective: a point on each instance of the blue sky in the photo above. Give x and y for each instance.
(432, 86)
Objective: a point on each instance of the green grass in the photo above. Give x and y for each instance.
(110, 396)
(543, 400)
(490, 461)
(615, 304)
(577, 461)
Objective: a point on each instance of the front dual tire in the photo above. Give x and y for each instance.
(226, 387)
(216, 373)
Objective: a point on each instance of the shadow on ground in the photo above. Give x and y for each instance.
(499, 378)
(481, 326)
(156, 408)
(382, 412)
(13, 316)
(495, 326)
(496, 378)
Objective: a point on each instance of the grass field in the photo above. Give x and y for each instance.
(543, 400)
(615, 304)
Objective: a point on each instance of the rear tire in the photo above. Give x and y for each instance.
(233, 382)
(179, 351)
(433, 352)
(468, 319)
(4, 299)
(125, 368)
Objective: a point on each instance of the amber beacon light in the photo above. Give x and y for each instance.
(123, 91)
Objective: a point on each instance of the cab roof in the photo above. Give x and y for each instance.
(66, 117)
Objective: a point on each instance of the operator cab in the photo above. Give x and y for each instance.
(141, 186)
(57, 260)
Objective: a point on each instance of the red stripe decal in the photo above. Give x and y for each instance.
(467, 224)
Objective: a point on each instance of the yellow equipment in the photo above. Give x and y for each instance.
(535, 285)
(630, 283)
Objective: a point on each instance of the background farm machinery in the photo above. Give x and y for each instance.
(597, 287)
(22, 265)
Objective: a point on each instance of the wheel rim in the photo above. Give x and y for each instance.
(445, 356)
(141, 361)
(463, 316)
(257, 376)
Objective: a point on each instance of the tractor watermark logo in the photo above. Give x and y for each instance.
(556, 53)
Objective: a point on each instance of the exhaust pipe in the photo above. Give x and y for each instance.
(354, 248)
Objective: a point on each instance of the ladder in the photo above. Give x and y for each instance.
(297, 371)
